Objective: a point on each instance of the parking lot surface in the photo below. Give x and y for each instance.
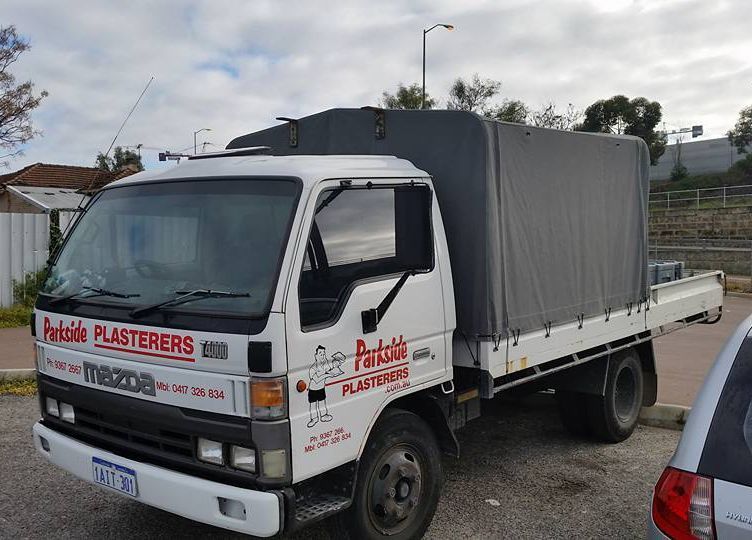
(684, 357)
(520, 476)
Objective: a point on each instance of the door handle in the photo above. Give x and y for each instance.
(420, 354)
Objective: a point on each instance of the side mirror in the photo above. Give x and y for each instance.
(370, 319)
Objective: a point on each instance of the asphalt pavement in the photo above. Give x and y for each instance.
(520, 476)
(684, 357)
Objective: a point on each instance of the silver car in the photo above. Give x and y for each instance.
(706, 490)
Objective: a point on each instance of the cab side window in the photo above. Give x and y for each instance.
(358, 234)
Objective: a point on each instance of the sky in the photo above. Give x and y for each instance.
(233, 66)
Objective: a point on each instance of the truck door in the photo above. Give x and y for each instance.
(362, 240)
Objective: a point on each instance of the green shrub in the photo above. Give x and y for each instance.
(679, 172)
(743, 168)
(25, 291)
(14, 316)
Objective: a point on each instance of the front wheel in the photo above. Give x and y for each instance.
(399, 481)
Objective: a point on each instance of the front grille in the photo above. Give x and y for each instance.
(149, 432)
(167, 441)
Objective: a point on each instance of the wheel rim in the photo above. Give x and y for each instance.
(394, 491)
(624, 398)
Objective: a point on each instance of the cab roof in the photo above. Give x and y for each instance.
(309, 168)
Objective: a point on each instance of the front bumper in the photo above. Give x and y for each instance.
(187, 496)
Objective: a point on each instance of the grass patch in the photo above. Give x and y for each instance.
(21, 387)
(18, 315)
(700, 181)
(739, 284)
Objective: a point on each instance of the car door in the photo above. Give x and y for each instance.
(360, 242)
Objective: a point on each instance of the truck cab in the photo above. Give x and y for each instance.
(235, 326)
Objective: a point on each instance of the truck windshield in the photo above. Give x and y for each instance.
(150, 243)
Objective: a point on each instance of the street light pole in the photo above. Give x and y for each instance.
(448, 27)
(195, 149)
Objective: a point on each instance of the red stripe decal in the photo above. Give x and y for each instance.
(158, 355)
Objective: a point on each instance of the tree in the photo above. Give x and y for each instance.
(510, 110)
(406, 97)
(472, 95)
(679, 171)
(120, 159)
(741, 135)
(549, 117)
(619, 114)
(16, 100)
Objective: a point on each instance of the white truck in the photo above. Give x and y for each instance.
(295, 328)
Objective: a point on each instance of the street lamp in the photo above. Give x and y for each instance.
(194, 138)
(448, 27)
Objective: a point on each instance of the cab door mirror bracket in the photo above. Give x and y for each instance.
(373, 316)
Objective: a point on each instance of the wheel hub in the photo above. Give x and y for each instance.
(395, 490)
(624, 397)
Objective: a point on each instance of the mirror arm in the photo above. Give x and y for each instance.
(372, 317)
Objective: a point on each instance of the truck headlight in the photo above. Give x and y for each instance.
(51, 407)
(66, 413)
(243, 458)
(210, 452)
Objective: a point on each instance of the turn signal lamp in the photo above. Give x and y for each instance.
(268, 398)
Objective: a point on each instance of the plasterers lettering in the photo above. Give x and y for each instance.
(143, 339)
(381, 365)
(119, 338)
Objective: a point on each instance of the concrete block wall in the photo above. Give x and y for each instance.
(726, 223)
(711, 239)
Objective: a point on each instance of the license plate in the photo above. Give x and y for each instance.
(114, 476)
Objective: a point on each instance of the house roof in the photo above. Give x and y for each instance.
(61, 177)
(47, 198)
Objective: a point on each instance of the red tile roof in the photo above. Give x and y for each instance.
(61, 176)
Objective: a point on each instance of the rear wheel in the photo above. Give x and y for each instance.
(573, 412)
(399, 481)
(613, 417)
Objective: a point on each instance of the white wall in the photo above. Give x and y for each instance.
(24, 240)
(699, 157)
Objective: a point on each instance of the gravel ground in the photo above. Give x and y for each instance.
(520, 476)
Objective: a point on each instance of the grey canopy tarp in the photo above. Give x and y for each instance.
(543, 226)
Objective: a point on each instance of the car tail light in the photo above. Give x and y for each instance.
(683, 505)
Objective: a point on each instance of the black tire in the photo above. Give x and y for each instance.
(613, 417)
(573, 412)
(386, 468)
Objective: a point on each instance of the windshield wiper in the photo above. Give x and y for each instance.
(97, 292)
(187, 296)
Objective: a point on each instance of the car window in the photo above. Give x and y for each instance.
(727, 454)
(360, 234)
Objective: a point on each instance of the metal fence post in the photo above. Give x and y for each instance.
(668, 200)
(724, 196)
(698, 199)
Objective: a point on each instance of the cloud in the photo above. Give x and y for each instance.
(234, 66)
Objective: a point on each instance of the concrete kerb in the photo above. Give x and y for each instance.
(16, 374)
(665, 416)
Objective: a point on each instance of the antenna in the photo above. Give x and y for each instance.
(127, 117)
